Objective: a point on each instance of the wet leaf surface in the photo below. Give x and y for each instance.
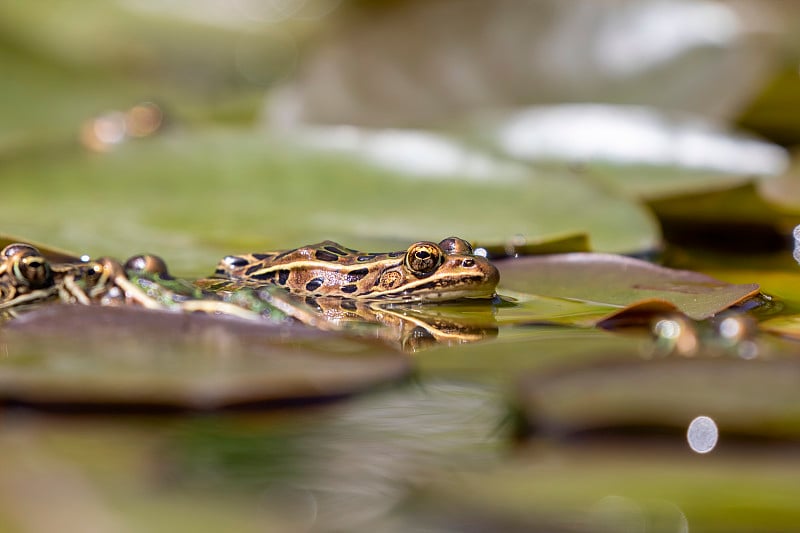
(102, 357)
(621, 281)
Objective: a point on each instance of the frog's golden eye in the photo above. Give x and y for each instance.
(31, 269)
(423, 258)
(147, 264)
(92, 272)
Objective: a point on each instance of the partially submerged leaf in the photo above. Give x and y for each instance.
(112, 356)
(622, 281)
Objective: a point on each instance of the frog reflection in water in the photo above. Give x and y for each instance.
(330, 287)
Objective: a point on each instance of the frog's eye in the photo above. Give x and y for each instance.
(92, 272)
(454, 245)
(31, 268)
(423, 258)
(147, 264)
(19, 248)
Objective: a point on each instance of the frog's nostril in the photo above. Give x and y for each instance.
(468, 263)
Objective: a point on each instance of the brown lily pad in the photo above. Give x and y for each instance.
(92, 356)
(622, 281)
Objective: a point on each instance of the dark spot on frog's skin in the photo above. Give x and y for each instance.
(365, 258)
(311, 301)
(252, 269)
(262, 257)
(355, 275)
(314, 284)
(396, 254)
(219, 271)
(282, 255)
(348, 305)
(335, 250)
(349, 289)
(283, 276)
(322, 255)
(265, 276)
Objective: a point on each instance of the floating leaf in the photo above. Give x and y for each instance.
(622, 281)
(666, 393)
(112, 356)
(193, 198)
(526, 309)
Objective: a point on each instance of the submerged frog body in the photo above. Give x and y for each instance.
(425, 271)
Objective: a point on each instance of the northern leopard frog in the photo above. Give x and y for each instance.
(425, 271)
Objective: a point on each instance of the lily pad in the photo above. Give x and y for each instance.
(622, 281)
(755, 398)
(125, 356)
(193, 198)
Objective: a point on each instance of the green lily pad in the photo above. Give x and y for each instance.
(194, 198)
(126, 356)
(621, 281)
(756, 398)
